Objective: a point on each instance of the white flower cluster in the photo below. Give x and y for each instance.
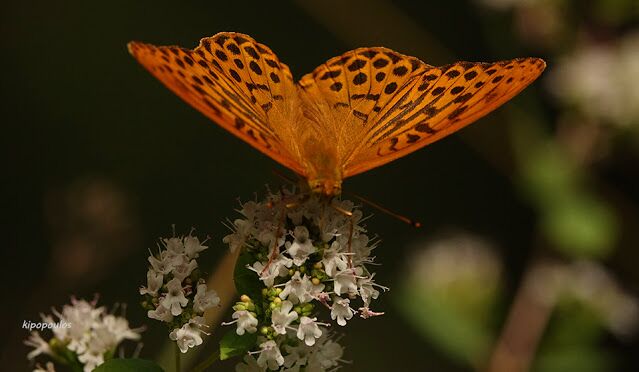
(325, 354)
(89, 337)
(303, 250)
(600, 81)
(175, 292)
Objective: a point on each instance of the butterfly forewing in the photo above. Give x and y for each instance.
(442, 101)
(231, 79)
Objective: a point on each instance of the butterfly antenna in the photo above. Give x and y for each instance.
(283, 177)
(380, 208)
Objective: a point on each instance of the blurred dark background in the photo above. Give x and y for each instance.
(102, 159)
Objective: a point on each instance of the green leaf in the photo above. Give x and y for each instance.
(247, 281)
(232, 344)
(128, 365)
(581, 226)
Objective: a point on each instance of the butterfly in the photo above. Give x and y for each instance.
(353, 113)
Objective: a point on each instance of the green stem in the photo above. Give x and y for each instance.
(207, 362)
(177, 358)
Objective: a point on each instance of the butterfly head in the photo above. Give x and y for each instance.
(325, 187)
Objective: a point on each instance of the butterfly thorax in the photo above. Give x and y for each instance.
(322, 166)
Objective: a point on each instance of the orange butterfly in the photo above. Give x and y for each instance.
(353, 113)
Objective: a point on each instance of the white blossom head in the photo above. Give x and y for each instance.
(299, 252)
(176, 293)
(83, 336)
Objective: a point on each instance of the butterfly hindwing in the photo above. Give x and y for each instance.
(231, 79)
(440, 102)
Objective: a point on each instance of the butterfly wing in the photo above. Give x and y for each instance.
(439, 102)
(231, 79)
(355, 87)
(401, 104)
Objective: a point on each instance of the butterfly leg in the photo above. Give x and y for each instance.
(287, 204)
(348, 214)
(275, 250)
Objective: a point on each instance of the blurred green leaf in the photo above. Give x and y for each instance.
(615, 12)
(581, 226)
(247, 281)
(571, 341)
(233, 344)
(128, 365)
(547, 176)
(577, 223)
(576, 359)
(458, 328)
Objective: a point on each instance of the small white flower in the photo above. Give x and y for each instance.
(282, 317)
(40, 345)
(174, 245)
(192, 246)
(334, 260)
(302, 246)
(154, 282)
(317, 290)
(161, 313)
(345, 283)
(270, 355)
(366, 290)
(118, 327)
(188, 336)
(296, 355)
(82, 315)
(329, 354)
(298, 289)
(366, 313)
(162, 265)
(249, 365)
(174, 299)
(278, 267)
(237, 239)
(90, 360)
(246, 322)
(341, 310)
(361, 249)
(204, 299)
(308, 330)
(183, 267)
(47, 368)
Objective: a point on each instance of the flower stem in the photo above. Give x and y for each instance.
(177, 358)
(207, 362)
